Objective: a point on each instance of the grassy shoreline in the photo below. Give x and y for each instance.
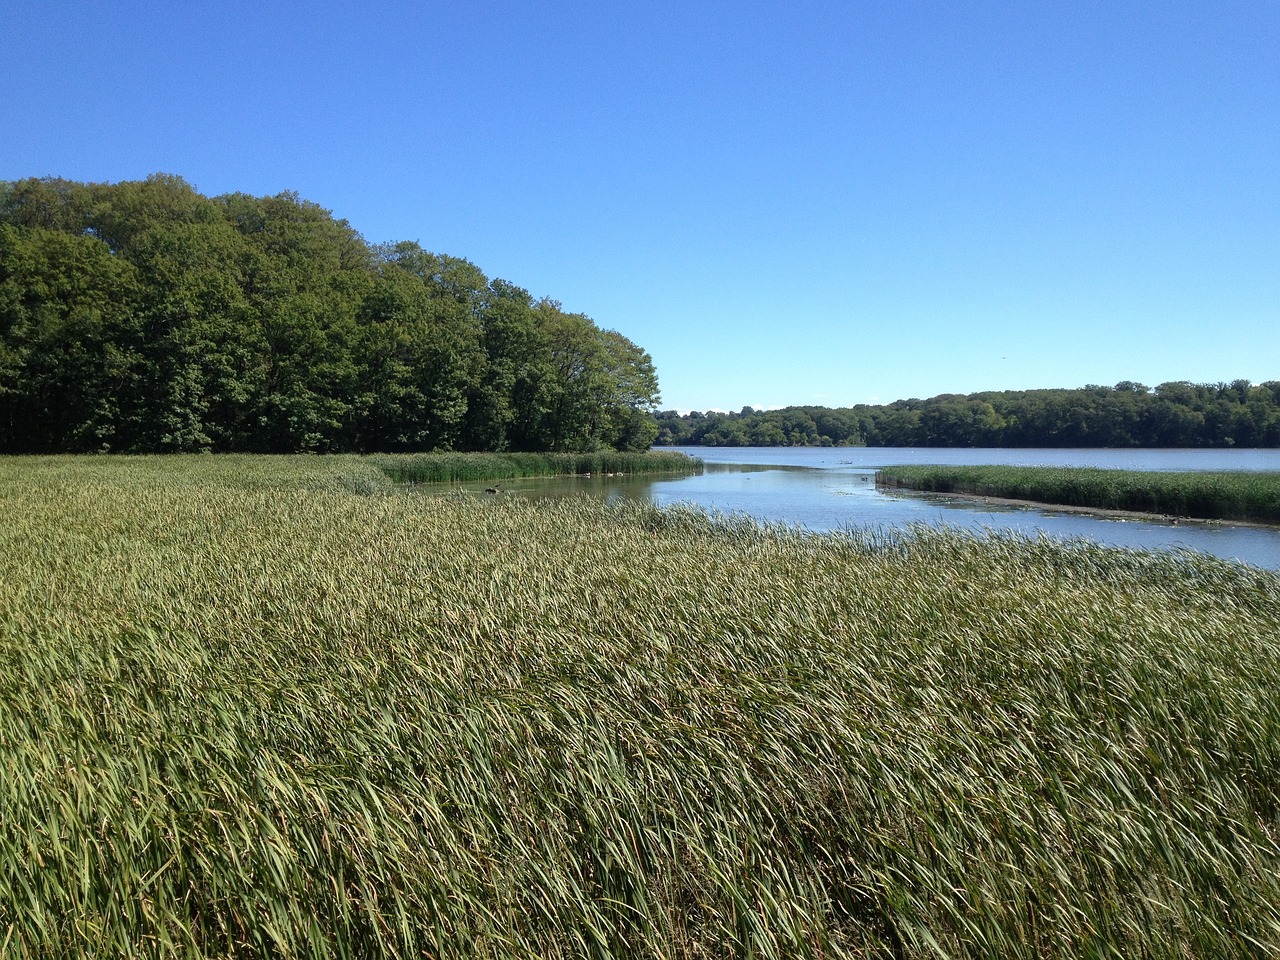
(455, 467)
(357, 473)
(1235, 496)
(249, 712)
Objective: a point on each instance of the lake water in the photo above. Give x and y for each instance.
(832, 488)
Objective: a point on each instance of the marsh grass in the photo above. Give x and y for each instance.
(456, 467)
(1209, 496)
(246, 712)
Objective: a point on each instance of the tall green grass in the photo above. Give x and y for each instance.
(454, 467)
(256, 720)
(198, 471)
(1209, 496)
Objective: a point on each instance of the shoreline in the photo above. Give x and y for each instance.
(1108, 512)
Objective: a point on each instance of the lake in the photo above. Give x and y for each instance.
(832, 488)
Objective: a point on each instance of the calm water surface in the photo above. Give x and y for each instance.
(833, 488)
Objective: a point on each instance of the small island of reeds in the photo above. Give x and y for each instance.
(1222, 495)
(273, 707)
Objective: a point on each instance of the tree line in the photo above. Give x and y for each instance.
(143, 316)
(1129, 414)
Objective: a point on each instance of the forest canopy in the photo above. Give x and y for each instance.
(1127, 415)
(144, 317)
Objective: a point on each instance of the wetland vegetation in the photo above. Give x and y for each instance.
(250, 711)
(1218, 495)
(458, 467)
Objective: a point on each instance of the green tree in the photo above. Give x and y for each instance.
(66, 326)
(633, 384)
(198, 338)
(144, 316)
(517, 391)
(418, 354)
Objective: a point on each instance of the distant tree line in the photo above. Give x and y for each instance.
(1127, 415)
(143, 316)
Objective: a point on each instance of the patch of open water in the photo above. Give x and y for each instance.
(833, 488)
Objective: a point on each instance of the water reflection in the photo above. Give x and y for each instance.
(833, 495)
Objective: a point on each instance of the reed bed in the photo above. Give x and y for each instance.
(254, 720)
(1208, 496)
(456, 467)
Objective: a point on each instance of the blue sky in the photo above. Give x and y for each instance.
(829, 203)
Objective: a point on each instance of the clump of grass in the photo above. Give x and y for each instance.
(239, 719)
(456, 467)
(1209, 496)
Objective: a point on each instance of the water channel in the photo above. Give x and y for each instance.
(833, 488)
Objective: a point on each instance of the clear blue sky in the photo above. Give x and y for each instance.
(785, 203)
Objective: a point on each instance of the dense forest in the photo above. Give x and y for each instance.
(142, 316)
(1126, 415)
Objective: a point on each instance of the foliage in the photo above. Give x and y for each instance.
(248, 713)
(1126, 415)
(1206, 495)
(142, 316)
